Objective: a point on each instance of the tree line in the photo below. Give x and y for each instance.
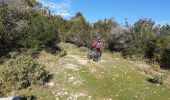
(39, 29)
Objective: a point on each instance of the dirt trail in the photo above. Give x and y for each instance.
(69, 69)
(77, 78)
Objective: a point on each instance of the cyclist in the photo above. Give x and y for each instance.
(97, 45)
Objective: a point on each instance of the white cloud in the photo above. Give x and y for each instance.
(63, 13)
(62, 8)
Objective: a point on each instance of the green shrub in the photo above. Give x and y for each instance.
(41, 32)
(166, 59)
(1, 29)
(158, 79)
(154, 64)
(27, 97)
(62, 53)
(32, 3)
(128, 53)
(83, 49)
(33, 53)
(13, 54)
(23, 71)
(2, 60)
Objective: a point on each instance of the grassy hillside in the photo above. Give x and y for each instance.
(113, 78)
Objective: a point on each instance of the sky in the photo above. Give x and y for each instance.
(93, 10)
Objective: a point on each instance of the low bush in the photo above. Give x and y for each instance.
(62, 53)
(23, 71)
(83, 49)
(166, 59)
(157, 79)
(27, 97)
(153, 64)
(33, 53)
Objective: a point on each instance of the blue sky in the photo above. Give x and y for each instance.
(93, 10)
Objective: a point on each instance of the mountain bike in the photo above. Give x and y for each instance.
(94, 54)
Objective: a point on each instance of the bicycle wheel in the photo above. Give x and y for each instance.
(89, 55)
(95, 56)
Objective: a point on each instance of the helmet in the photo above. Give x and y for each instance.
(99, 38)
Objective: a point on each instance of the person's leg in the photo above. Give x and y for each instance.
(100, 53)
(95, 51)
